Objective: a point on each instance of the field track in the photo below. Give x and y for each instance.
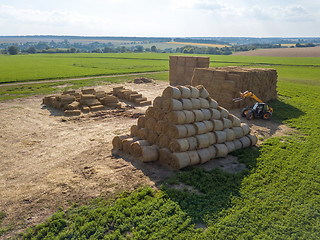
(283, 52)
(76, 79)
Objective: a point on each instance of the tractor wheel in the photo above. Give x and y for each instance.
(266, 116)
(244, 112)
(250, 115)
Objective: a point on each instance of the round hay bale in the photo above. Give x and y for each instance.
(221, 136)
(224, 112)
(253, 139)
(212, 138)
(176, 117)
(164, 141)
(157, 102)
(117, 141)
(164, 156)
(159, 114)
(150, 123)
(246, 129)
(212, 103)
(171, 92)
(204, 155)
(196, 104)
(134, 131)
(193, 143)
(136, 147)
(194, 157)
(209, 125)
(226, 123)
(186, 104)
(215, 114)
(161, 127)
(202, 91)
(172, 104)
(231, 147)
(194, 92)
(230, 134)
(198, 115)
(204, 103)
(203, 140)
(212, 151)
(217, 125)
(237, 144)
(191, 130)
(150, 153)
(127, 142)
(141, 122)
(222, 150)
(150, 112)
(179, 145)
(177, 131)
(190, 118)
(238, 131)
(179, 160)
(152, 137)
(245, 142)
(206, 114)
(143, 133)
(185, 92)
(236, 122)
(200, 127)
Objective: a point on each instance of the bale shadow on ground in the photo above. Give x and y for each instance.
(201, 191)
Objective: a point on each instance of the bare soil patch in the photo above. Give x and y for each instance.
(283, 52)
(48, 160)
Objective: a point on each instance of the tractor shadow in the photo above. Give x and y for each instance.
(275, 126)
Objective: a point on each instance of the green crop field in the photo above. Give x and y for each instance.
(278, 197)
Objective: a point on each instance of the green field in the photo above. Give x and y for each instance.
(57, 66)
(278, 197)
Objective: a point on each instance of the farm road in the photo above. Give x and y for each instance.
(78, 79)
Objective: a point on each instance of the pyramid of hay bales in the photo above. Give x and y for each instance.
(185, 127)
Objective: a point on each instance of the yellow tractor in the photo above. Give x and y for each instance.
(259, 110)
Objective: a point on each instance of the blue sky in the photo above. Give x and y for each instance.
(165, 18)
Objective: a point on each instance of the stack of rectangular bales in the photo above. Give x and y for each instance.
(131, 96)
(181, 68)
(225, 83)
(72, 102)
(185, 127)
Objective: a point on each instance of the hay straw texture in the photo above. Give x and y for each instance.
(185, 128)
(225, 83)
(181, 68)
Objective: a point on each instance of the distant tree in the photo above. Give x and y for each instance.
(148, 49)
(31, 49)
(153, 48)
(13, 50)
(139, 49)
(73, 50)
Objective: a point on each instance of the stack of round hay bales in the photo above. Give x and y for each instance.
(185, 127)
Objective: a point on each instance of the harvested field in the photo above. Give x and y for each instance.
(48, 160)
(283, 52)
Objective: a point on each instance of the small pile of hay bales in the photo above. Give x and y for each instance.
(73, 103)
(181, 68)
(131, 96)
(184, 127)
(225, 83)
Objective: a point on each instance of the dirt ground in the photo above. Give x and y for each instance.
(48, 160)
(283, 52)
